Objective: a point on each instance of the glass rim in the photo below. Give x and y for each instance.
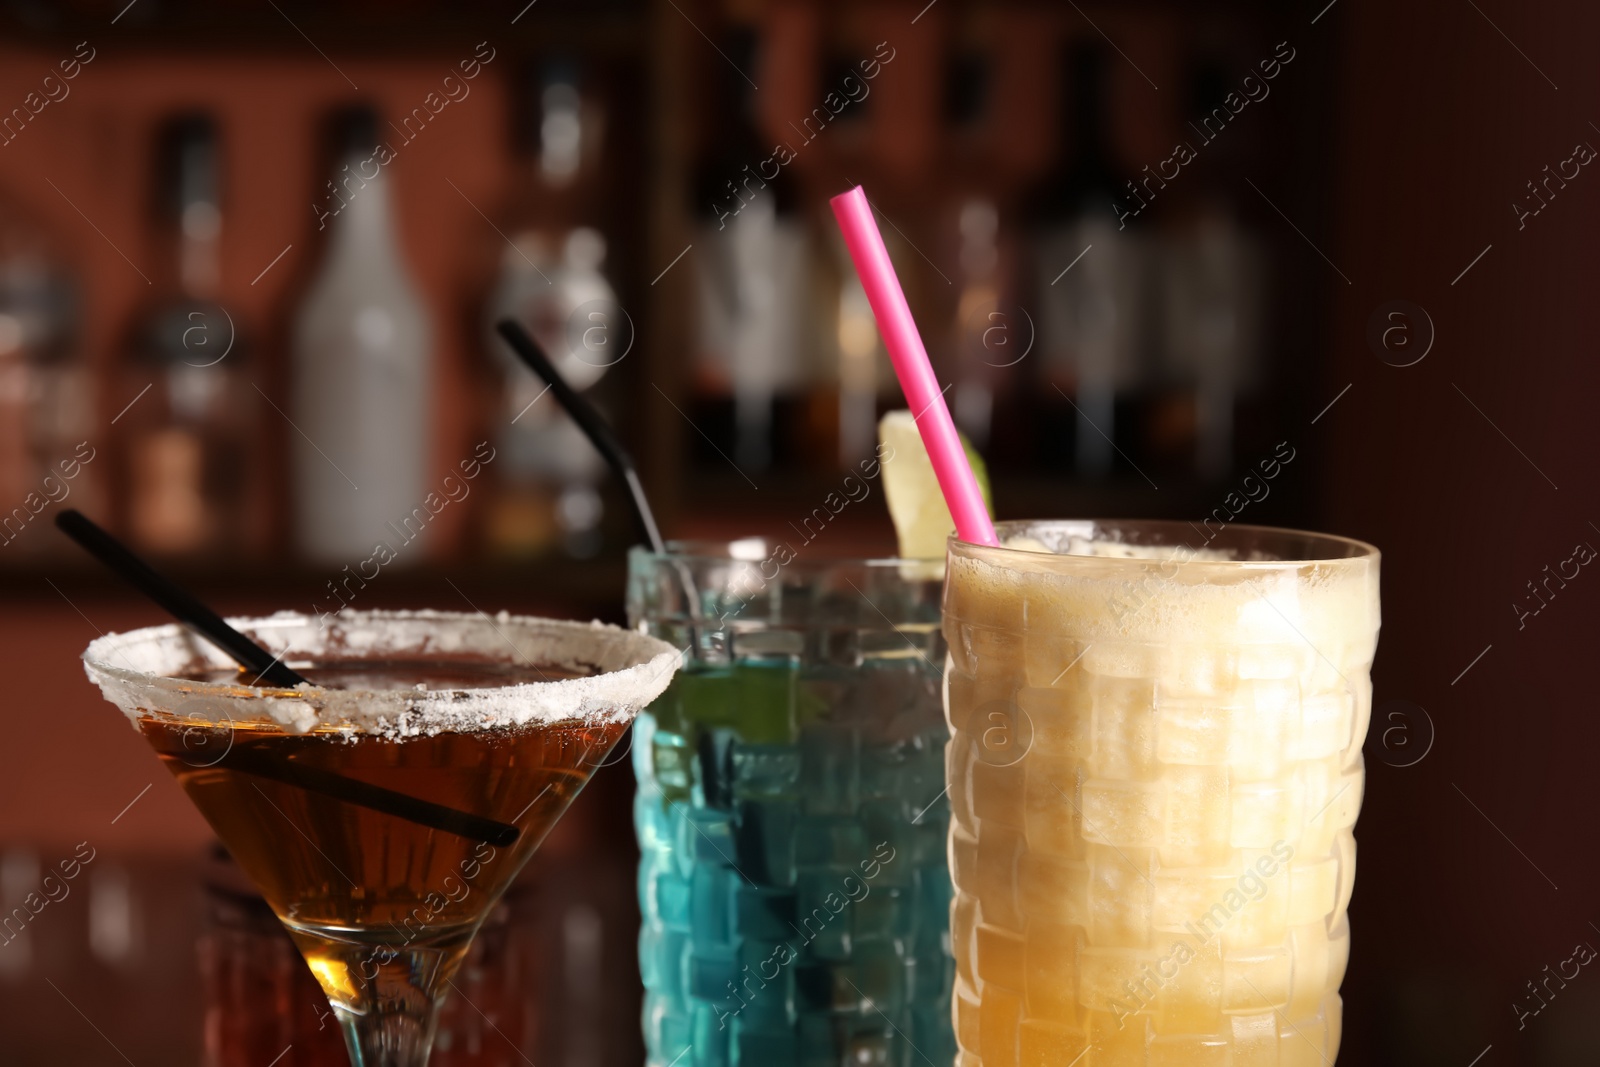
(629, 669)
(1353, 549)
(761, 549)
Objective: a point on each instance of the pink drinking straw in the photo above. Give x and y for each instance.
(910, 359)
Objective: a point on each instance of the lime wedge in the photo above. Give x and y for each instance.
(922, 520)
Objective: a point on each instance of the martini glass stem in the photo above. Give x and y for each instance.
(389, 1018)
(392, 1039)
(392, 1036)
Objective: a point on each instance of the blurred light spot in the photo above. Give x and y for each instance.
(110, 915)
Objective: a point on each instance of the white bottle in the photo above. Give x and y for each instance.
(362, 366)
(753, 302)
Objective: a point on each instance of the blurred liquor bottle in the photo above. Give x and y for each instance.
(362, 368)
(987, 333)
(551, 280)
(751, 274)
(849, 354)
(1212, 273)
(47, 397)
(849, 350)
(861, 357)
(1089, 267)
(186, 441)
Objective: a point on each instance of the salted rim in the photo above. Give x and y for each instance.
(135, 672)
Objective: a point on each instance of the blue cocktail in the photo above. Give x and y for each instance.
(791, 813)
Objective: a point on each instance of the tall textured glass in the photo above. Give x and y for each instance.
(791, 812)
(1155, 766)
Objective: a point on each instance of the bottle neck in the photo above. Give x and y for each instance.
(199, 250)
(1087, 178)
(357, 201)
(1086, 113)
(1088, 131)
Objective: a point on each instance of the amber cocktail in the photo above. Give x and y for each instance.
(385, 807)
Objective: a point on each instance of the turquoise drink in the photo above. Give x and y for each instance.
(791, 814)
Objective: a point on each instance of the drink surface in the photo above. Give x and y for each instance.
(793, 880)
(1154, 773)
(464, 672)
(353, 883)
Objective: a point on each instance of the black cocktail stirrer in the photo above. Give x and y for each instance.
(179, 602)
(594, 427)
(599, 433)
(188, 609)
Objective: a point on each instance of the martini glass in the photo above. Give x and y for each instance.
(383, 809)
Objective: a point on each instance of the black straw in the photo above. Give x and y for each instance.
(179, 602)
(589, 420)
(376, 797)
(187, 609)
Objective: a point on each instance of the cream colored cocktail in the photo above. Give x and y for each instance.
(1154, 770)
